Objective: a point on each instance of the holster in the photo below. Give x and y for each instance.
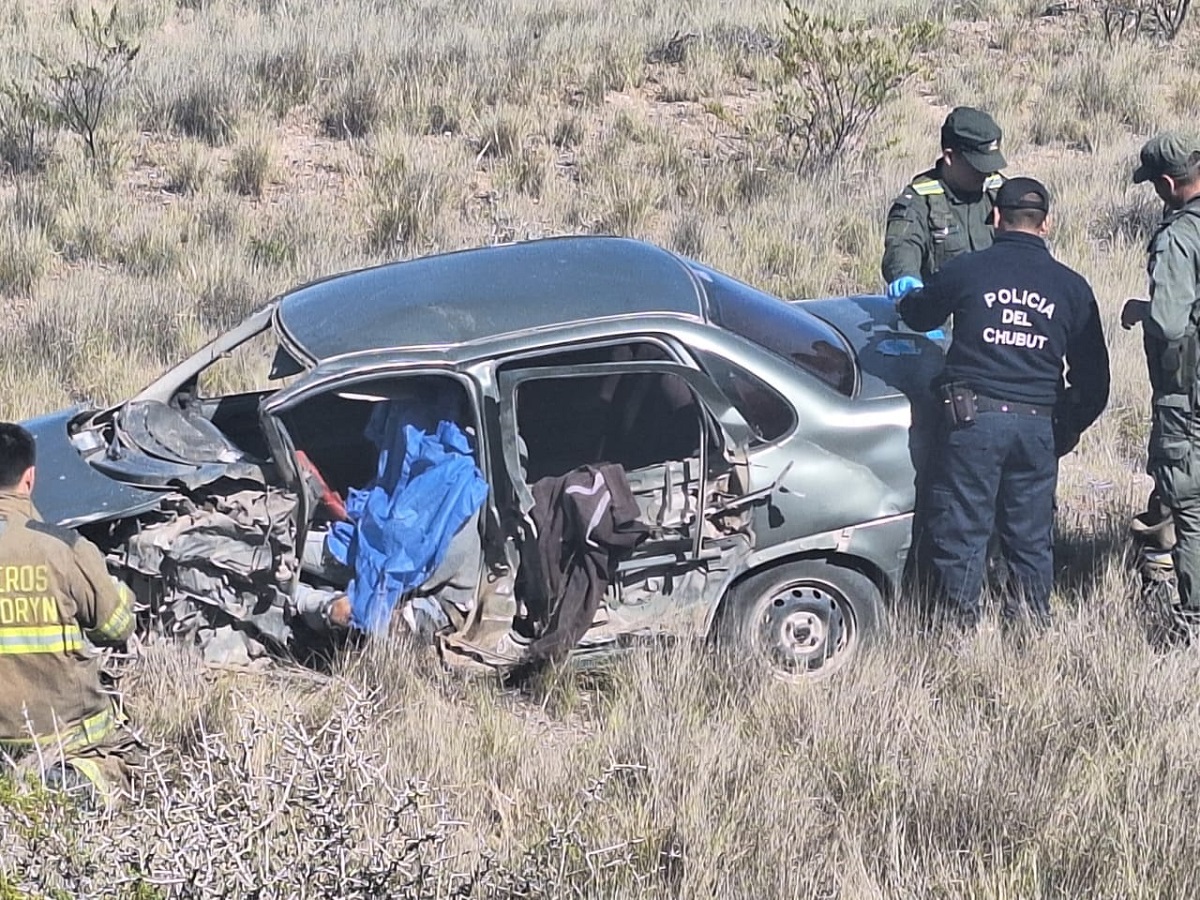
(958, 404)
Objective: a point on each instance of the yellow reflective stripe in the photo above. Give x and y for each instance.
(926, 187)
(90, 731)
(117, 624)
(994, 182)
(91, 771)
(40, 639)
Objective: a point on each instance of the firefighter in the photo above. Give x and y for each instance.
(57, 601)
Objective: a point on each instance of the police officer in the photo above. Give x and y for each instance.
(946, 211)
(1169, 318)
(56, 600)
(1018, 315)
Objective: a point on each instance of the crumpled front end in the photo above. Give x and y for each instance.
(213, 567)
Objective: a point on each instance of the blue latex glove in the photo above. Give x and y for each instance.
(903, 285)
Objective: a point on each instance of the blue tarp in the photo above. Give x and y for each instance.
(425, 489)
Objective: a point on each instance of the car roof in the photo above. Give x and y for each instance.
(478, 294)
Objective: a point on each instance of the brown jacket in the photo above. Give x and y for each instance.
(56, 599)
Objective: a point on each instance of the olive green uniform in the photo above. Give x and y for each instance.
(1172, 350)
(929, 224)
(57, 599)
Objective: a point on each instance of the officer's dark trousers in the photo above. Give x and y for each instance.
(1000, 471)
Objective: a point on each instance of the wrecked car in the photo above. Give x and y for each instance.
(627, 445)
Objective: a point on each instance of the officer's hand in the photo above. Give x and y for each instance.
(1134, 312)
(905, 284)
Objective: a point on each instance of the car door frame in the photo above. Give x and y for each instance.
(720, 419)
(337, 376)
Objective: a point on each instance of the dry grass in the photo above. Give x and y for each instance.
(269, 143)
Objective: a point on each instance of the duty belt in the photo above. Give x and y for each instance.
(989, 404)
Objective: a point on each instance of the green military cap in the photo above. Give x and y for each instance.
(1168, 153)
(976, 137)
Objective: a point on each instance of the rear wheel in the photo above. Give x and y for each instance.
(803, 619)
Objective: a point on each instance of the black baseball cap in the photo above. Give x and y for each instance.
(976, 137)
(1023, 193)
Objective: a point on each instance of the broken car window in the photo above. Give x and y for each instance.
(779, 327)
(769, 416)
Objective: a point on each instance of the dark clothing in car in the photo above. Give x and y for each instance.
(1018, 315)
(585, 521)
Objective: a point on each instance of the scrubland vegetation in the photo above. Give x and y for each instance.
(248, 145)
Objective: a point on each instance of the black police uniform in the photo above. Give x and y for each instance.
(1018, 313)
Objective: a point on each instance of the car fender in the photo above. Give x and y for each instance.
(864, 546)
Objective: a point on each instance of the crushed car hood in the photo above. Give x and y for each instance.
(71, 492)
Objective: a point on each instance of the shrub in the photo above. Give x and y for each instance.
(836, 76)
(1126, 20)
(151, 250)
(568, 132)
(289, 77)
(86, 91)
(355, 111)
(27, 128)
(503, 135)
(1134, 220)
(407, 203)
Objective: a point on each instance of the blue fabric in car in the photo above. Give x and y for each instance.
(425, 489)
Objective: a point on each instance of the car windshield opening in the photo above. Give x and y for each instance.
(781, 328)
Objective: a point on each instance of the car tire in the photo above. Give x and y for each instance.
(805, 619)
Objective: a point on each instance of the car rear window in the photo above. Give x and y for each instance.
(804, 340)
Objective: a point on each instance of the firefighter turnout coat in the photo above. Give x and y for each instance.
(57, 599)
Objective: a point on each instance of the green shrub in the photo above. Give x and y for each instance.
(836, 75)
(86, 91)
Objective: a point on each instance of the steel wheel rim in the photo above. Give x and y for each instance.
(805, 626)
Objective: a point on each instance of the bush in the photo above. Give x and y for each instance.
(86, 91)
(406, 206)
(27, 129)
(289, 77)
(1126, 20)
(836, 77)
